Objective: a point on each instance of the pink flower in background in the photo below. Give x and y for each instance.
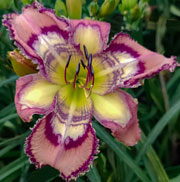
(79, 77)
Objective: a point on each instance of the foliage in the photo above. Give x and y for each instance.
(156, 25)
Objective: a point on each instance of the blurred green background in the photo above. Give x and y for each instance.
(156, 158)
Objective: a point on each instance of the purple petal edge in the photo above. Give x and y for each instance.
(122, 48)
(86, 166)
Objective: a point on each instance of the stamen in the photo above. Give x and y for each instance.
(75, 77)
(90, 73)
(68, 60)
(90, 60)
(85, 52)
(65, 72)
(88, 78)
(83, 64)
(78, 69)
(92, 70)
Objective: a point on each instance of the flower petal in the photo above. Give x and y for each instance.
(92, 34)
(118, 112)
(125, 63)
(36, 30)
(34, 95)
(150, 63)
(46, 147)
(55, 65)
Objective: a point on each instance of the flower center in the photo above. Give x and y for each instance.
(90, 71)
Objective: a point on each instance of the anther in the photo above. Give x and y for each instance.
(65, 71)
(90, 60)
(83, 64)
(85, 52)
(92, 70)
(78, 69)
(76, 74)
(68, 61)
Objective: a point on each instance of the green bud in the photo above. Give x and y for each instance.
(25, 2)
(145, 1)
(135, 13)
(107, 8)
(21, 65)
(60, 8)
(93, 8)
(74, 8)
(117, 2)
(6, 4)
(127, 5)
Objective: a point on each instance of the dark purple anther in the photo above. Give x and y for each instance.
(85, 52)
(91, 70)
(68, 61)
(83, 64)
(65, 71)
(78, 69)
(75, 77)
(90, 60)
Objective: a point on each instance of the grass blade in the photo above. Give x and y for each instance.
(102, 134)
(9, 80)
(12, 167)
(11, 116)
(158, 129)
(93, 175)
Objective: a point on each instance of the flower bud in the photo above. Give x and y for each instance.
(8, 4)
(25, 2)
(93, 8)
(107, 7)
(74, 8)
(60, 8)
(21, 65)
(127, 5)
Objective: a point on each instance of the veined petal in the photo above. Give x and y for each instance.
(55, 66)
(71, 152)
(125, 63)
(34, 95)
(118, 112)
(149, 63)
(113, 67)
(92, 34)
(36, 30)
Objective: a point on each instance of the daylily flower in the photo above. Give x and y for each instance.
(79, 77)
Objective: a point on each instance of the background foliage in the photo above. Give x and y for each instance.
(154, 24)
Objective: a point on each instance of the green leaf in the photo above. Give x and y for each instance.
(38, 176)
(174, 10)
(156, 163)
(7, 149)
(12, 167)
(11, 116)
(7, 110)
(9, 80)
(149, 169)
(158, 128)
(102, 134)
(176, 179)
(17, 139)
(93, 175)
